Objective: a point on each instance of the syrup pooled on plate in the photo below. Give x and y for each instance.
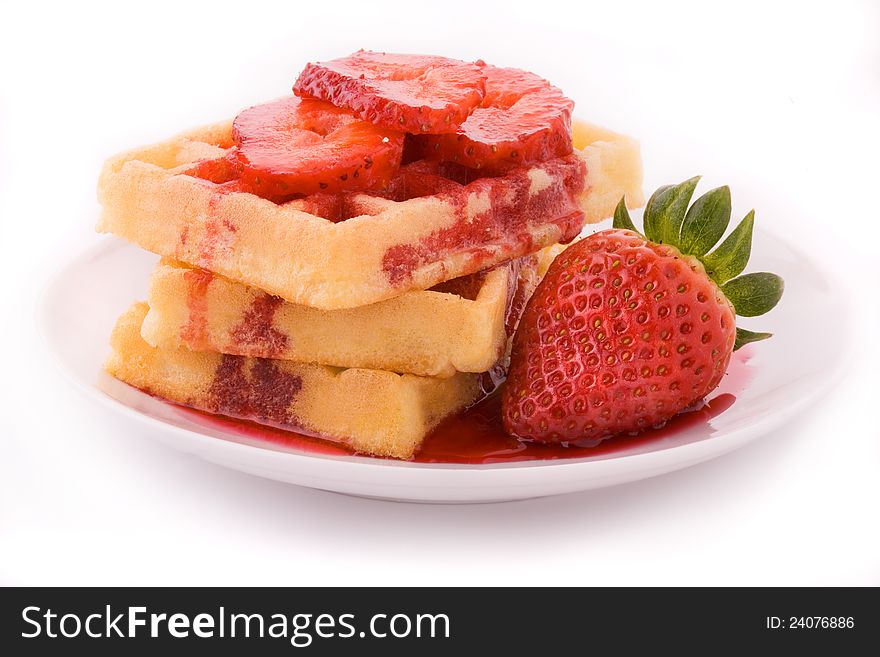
(477, 436)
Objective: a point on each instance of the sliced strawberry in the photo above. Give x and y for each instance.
(411, 93)
(293, 146)
(522, 119)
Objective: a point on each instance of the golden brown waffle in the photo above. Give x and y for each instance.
(372, 411)
(384, 247)
(462, 326)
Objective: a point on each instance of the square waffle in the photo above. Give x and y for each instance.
(461, 325)
(372, 411)
(371, 248)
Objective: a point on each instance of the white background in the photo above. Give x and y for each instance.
(779, 100)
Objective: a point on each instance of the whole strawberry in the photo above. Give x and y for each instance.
(627, 330)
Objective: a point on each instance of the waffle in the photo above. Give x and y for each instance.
(372, 411)
(420, 237)
(460, 326)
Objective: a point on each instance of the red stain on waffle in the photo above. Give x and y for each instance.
(256, 331)
(253, 389)
(514, 208)
(217, 237)
(195, 330)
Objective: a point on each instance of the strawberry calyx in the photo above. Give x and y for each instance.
(695, 230)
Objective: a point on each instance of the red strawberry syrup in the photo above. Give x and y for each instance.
(477, 435)
(196, 328)
(252, 432)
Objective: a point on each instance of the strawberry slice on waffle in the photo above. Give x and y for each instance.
(419, 94)
(522, 119)
(304, 146)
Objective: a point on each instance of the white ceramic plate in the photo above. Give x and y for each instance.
(777, 381)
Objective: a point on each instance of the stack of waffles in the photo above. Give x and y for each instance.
(359, 316)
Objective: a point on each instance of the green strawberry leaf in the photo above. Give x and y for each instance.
(744, 337)
(754, 294)
(732, 255)
(705, 222)
(665, 211)
(649, 214)
(622, 218)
